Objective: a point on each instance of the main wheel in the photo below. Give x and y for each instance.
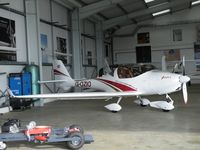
(77, 140)
(3, 146)
(164, 110)
(78, 127)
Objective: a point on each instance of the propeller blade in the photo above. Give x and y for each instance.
(185, 94)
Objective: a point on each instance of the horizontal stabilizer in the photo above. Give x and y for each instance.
(51, 81)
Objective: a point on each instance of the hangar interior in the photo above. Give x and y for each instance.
(82, 33)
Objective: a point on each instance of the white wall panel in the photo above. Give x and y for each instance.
(60, 14)
(90, 46)
(125, 44)
(124, 57)
(15, 4)
(44, 9)
(124, 50)
(160, 37)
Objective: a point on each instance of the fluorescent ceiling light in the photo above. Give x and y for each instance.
(161, 12)
(148, 1)
(159, 5)
(196, 2)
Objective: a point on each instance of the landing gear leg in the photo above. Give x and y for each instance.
(142, 101)
(114, 107)
(170, 99)
(170, 102)
(119, 100)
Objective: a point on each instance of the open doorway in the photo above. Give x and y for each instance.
(143, 54)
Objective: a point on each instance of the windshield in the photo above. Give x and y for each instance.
(130, 71)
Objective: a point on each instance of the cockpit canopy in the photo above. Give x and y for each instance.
(130, 71)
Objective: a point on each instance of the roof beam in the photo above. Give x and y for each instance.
(124, 10)
(64, 3)
(115, 21)
(75, 3)
(91, 9)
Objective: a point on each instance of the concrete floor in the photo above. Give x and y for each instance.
(133, 128)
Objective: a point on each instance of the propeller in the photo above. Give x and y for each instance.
(184, 79)
(185, 94)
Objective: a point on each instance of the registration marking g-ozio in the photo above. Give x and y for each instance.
(83, 84)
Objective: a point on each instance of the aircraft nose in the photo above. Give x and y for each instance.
(184, 79)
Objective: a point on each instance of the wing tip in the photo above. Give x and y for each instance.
(10, 93)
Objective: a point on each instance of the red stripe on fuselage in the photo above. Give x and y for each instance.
(56, 72)
(117, 85)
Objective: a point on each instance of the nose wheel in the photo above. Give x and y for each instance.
(169, 99)
(166, 106)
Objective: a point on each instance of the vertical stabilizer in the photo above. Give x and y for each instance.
(62, 74)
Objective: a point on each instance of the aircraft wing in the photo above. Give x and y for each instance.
(79, 95)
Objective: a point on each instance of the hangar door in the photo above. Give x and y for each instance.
(143, 54)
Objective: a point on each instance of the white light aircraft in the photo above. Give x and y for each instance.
(122, 82)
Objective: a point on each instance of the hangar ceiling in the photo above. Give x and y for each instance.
(119, 13)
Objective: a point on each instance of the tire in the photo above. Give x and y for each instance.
(143, 105)
(164, 110)
(78, 127)
(11, 123)
(77, 141)
(114, 111)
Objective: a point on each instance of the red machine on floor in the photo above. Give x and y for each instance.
(73, 135)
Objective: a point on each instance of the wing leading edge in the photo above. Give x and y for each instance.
(79, 95)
